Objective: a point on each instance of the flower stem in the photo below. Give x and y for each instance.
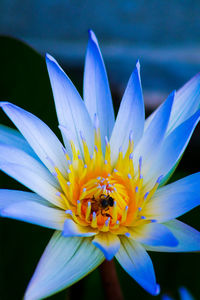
(110, 281)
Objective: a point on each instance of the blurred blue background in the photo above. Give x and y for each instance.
(164, 35)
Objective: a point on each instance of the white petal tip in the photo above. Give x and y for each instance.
(50, 59)
(138, 65)
(3, 103)
(92, 36)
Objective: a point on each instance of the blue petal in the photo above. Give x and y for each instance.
(153, 234)
(40, 137)
(29, 172)
(171, 150)
(13, 138)
(130, 117)
(188, 238)
(64, 262)
(186, 103)
(137, 263)
(184, 294)
(175, 199)
(71, 110)
(97, 94)
(72, 229)
(13, 155)
(29, 207)
(108, 243)
(153, 136)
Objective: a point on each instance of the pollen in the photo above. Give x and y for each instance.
(104, 196)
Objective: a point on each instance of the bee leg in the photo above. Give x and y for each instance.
(107, 215)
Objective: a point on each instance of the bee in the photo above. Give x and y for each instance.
(102, 204)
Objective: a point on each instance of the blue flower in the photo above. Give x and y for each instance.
(103, 192)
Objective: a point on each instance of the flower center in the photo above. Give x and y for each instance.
(104, 200)
(104, 196)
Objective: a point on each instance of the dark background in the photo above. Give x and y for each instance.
(165, 36)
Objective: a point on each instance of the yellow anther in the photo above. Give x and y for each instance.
(79, 207)
(152, 191)
(94, 220)
(97, 138)
(105, 227)
(138, 189)
(129, 151)
(74, 152)
(107, 157)
(68, 158)
(140, 167)
(86, 152)
(65, 200)
(131, 167)
(80, 165)
(88, 211)
(62, 182)
(114, 214)
(72, 214)
(119, 164)
(124, 214)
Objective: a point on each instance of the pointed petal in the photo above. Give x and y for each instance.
(31, 208)
(137, 263)
(72, 229)
(153, 234)
(188, 238)
(13, 138)
(65, 261)
(30, 173)
(43, 141)
(174, 200)
(97, 94)
(130, 117)
(108, 243)
(175, 144)
(12, 155)
(186, 103)
(153, 136)
(71, 110)
(31, 180)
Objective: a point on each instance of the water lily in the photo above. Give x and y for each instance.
(103, 191)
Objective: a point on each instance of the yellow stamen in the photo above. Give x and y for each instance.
(79, 207)
(105, 227)
(110, 197)
(94, 220)
(86, 152)
(114, 214)
(88, 211)
(124, 214)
